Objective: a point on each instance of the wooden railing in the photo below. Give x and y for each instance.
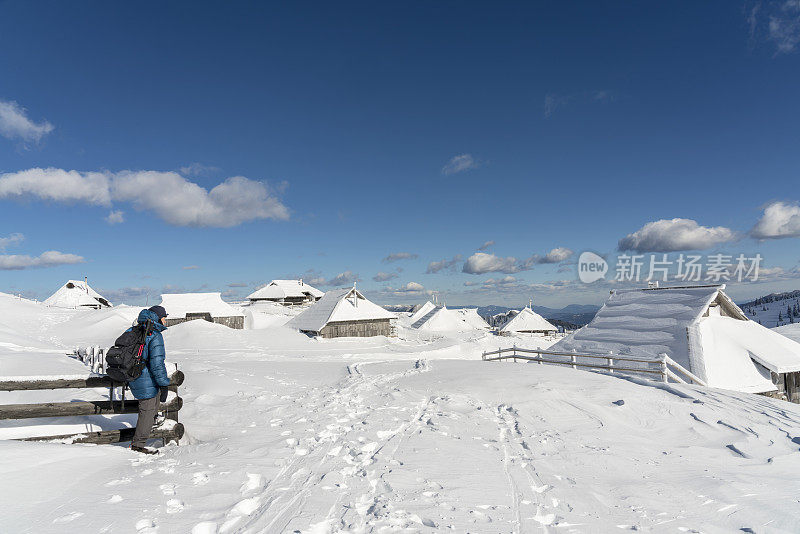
(662, 368)
(93, 357)
(168, 430)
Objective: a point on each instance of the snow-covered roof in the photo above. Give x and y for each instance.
(699, 327)
(422, 312)
(442, 319)
(472, 318)
(281, 289)
(644, 322)
(528, 320)
(179, 304)
(774, 351)
(339, 305)
(76, 294)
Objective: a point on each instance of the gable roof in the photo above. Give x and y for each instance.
(281, 289)
(699, 327)
(527, 320)
(76, 294)
(179, 304)
(339, 305)
(442, 319)
(422, 312)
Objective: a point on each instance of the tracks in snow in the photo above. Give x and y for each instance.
(337, 460)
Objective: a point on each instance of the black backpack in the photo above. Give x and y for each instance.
(124, 361)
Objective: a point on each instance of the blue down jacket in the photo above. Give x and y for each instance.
(154, 373)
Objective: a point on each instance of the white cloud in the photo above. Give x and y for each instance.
(342, 279)
(15, 124)
(57, 185)
(51, 258)
(411, 288)
(481, 263)
(180, 202)
(777, 22)
(437, 266)
(486, 245)
(10, 241)
(169, 195)
(460, 163)
(557, 255)
(780, 219)
(384, 277)
(197, 169)
(397, 256)
(116, 217)
(505, 281)
(190, 267)
(671, 235)
(784, 26)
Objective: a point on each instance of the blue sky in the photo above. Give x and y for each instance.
(343, 134)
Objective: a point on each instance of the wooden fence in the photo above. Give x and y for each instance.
(168, 430)
(662, 368)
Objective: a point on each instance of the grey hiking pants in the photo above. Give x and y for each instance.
(148, 408)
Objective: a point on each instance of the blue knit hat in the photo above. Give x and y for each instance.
(159, 311)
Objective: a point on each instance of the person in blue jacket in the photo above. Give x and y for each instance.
(151, 386)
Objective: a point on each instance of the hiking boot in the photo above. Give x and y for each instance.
(144, 450)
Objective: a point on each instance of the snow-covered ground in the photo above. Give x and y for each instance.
(409, 434)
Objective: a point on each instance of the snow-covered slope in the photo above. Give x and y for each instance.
(290, 434)
(774, 310)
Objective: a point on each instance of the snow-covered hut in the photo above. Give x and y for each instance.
(527, 321)
(701, 329)
(344, 313)
(286, 292)
(77, 294)
(442, 319)
(182, 307)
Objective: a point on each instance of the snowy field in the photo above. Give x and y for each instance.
(406, 434)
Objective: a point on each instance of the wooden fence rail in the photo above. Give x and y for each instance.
(662, 368)
(176, 379)
(169, 430)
